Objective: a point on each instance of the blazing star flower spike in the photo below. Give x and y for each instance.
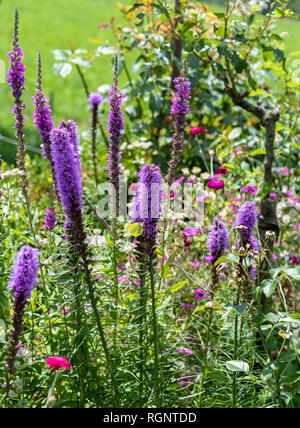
(67, 168)
(247, 217)
(218, 240)
(24, 272)
(179, 109)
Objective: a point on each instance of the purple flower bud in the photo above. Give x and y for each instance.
(95, 98)
(43, 121)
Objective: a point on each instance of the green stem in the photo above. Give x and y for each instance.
(204, 367)
(154, 326)
(235, 349)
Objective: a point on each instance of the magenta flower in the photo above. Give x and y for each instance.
(57, 363)
(216, 184)
(201, 294)
(250, 189)
(222, 170)
(274, 195)
(190, 232)
(196, 131)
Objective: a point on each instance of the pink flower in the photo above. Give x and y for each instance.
(57, 363)
(209, 259)
(124, 278)
(201, 294)
(180, 180)
(274, 195)
(190, 232)
(275, 257)
(295, 260)
(222, 170)
(216, 184)
(197, 130)
(134, 187)
(195, 264)
(250, 189)
(184, 351)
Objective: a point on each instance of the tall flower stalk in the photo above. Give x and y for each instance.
(217, 243)
(16, 80)
(95, 99)
(43, 121)
(146, 211)
(115, 129)
(246, 220)
(23, 279)
(65, 152)
(179, 110)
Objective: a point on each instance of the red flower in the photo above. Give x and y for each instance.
(216, 184)
(57, 363)
(197, 130)
(222, 170)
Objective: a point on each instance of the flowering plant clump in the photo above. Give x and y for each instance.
(155, 263)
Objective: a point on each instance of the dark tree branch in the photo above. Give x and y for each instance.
(267, 219)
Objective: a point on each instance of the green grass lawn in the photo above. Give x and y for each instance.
(44, 26)
(47, 25)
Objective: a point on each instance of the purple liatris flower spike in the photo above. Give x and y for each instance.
(42, 115)
(247, 217)
(16, 81)
(147, 203)
(179, 110)
(24, 272)
(115, 128)
(23, 279)
(218, 240)
(50, 221)
(95, 99)
(67, 169)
